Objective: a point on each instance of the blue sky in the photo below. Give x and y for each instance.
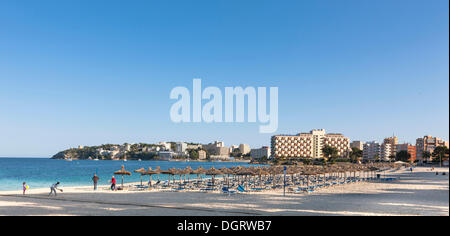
(92, 72)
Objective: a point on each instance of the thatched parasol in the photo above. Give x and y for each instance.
(228, 172)
(213, 171)
(188, 171)
(151, 172)
(141, 171)
(122, 172)
(198, 172)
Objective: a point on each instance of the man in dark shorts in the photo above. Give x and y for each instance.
(113, 183)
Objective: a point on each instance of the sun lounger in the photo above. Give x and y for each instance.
(240, 188)
(257, 189)
(207, 189)
(227, 190)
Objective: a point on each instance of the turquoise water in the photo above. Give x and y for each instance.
(42, 172)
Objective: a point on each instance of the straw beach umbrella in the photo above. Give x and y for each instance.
(122, 172)
(151, 172)
(141, 171)
(198, 172)
(169, 172)
(243, 172)
(228, 172)
(188, 171)
(213, 171)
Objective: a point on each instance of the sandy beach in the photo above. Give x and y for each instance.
(421, 192)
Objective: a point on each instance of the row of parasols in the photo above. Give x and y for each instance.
(306, 170)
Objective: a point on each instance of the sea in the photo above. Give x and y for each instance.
(43, 172)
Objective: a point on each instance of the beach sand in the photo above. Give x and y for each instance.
(418, 193)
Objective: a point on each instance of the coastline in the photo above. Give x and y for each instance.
(418, 193)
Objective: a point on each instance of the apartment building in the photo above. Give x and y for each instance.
(308, 144)
(393, 141)
(180, 147)
(244, 148)
(259, 153)
(357, 144)
(411, 149)
(428, 143)
(375, 151)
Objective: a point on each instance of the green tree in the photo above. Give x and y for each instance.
(329, 152)
(193, 154)
(440, 153)
(426, 156)
(376, 157)
(355, 154)
(403, 155)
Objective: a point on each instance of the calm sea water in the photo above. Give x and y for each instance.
(42, 172)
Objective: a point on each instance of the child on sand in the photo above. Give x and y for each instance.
(25, 187)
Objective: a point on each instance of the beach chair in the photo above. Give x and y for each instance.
(241, 188)
(258, 189)
(227, 191)
(207, 189)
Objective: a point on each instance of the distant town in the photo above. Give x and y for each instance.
(316, 145)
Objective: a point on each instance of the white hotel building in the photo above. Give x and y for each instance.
(308, 144)
(374, 150)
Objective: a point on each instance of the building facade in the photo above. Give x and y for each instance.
(201, 154)
(217, 149)
(428, 143)
(393, 141)
(259, 153)
(308, 145)
(357, 144)
(244, 149)
(411, 149)
(373, 151)
(180, 147)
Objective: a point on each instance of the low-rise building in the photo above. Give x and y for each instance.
(165, 146)
(217, 149)
(201, 154)
(166, 155)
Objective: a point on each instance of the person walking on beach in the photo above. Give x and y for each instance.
(53, 189)
(95, 179)
(113, 183)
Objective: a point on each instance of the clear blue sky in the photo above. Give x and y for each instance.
(91, 72)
